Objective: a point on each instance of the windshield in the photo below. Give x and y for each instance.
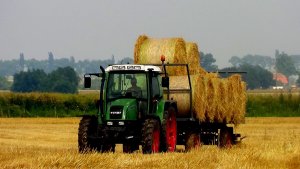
(127, 85)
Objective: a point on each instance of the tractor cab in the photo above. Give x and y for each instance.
(132, 92)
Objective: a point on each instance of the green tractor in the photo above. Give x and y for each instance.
(135, 109)
(132, 112)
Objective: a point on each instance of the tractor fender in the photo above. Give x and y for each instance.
(170, 103)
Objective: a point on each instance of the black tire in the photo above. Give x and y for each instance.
(87, 129)
(169, 139)
(226, 138)
(109, 147)
(130, 147)
(192, 141)
(151, 136)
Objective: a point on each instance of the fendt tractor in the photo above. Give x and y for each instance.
(139, 115)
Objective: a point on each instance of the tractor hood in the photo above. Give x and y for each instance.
(122, 109)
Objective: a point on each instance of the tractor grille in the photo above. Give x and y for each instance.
(116, 112)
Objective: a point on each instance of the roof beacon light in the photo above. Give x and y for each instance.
(162, 58)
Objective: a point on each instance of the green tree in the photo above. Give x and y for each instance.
(256, 76)
(63, 80)
(207, 62)
(33, 80)
(284, 64)
(4, 83)
(265, 62)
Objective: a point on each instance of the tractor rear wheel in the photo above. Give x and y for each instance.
(192, 141)
(169, 131)
(151, 136)
(225, 138)
(87, 129)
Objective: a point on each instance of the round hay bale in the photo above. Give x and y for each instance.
(148, 51)
(211, 96)
(221, 109)
(182, 97)
(199, 99)
(193, 57)
(237, 99)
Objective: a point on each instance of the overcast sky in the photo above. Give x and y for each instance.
(98, 29)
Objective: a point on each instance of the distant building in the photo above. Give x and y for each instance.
(279, 77)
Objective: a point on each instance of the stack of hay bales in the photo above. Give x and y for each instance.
(213, 99)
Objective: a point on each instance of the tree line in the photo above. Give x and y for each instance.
(259, 70)
(61, 80)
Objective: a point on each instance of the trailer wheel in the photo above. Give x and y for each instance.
(151, 136)
(87, 129)
(192, 141)
(226, 139)
(169, 131)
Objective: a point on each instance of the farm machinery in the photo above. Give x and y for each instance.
(135, 109)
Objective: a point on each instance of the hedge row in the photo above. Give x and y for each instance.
(273, 105)
(46, 104)
(70, 105)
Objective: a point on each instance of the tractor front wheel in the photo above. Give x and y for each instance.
(86, 131)
(130, 147)
(151, 136)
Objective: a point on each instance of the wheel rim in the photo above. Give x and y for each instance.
(156, 142)
(171, 132)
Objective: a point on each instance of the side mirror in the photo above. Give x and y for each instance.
(87, 81)
(165, 82)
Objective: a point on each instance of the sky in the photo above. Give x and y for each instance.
(98, 29)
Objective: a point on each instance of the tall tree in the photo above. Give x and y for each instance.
(64, 80)
(30, 81)
(207, 62)
(265, 62)
(284, 64)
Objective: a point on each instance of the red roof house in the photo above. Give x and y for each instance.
(280, 78)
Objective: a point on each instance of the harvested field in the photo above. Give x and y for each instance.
(52, 143)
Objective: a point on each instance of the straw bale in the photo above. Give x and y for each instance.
(148, 51)
(221, 109)
(213, 99)
(211, 96)
(137, 47)
(199, 99)
(238, 98)
(182, 98)
(193, 57)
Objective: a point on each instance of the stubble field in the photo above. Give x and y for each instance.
(52, 143)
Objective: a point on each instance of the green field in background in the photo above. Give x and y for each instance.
(259, 104)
